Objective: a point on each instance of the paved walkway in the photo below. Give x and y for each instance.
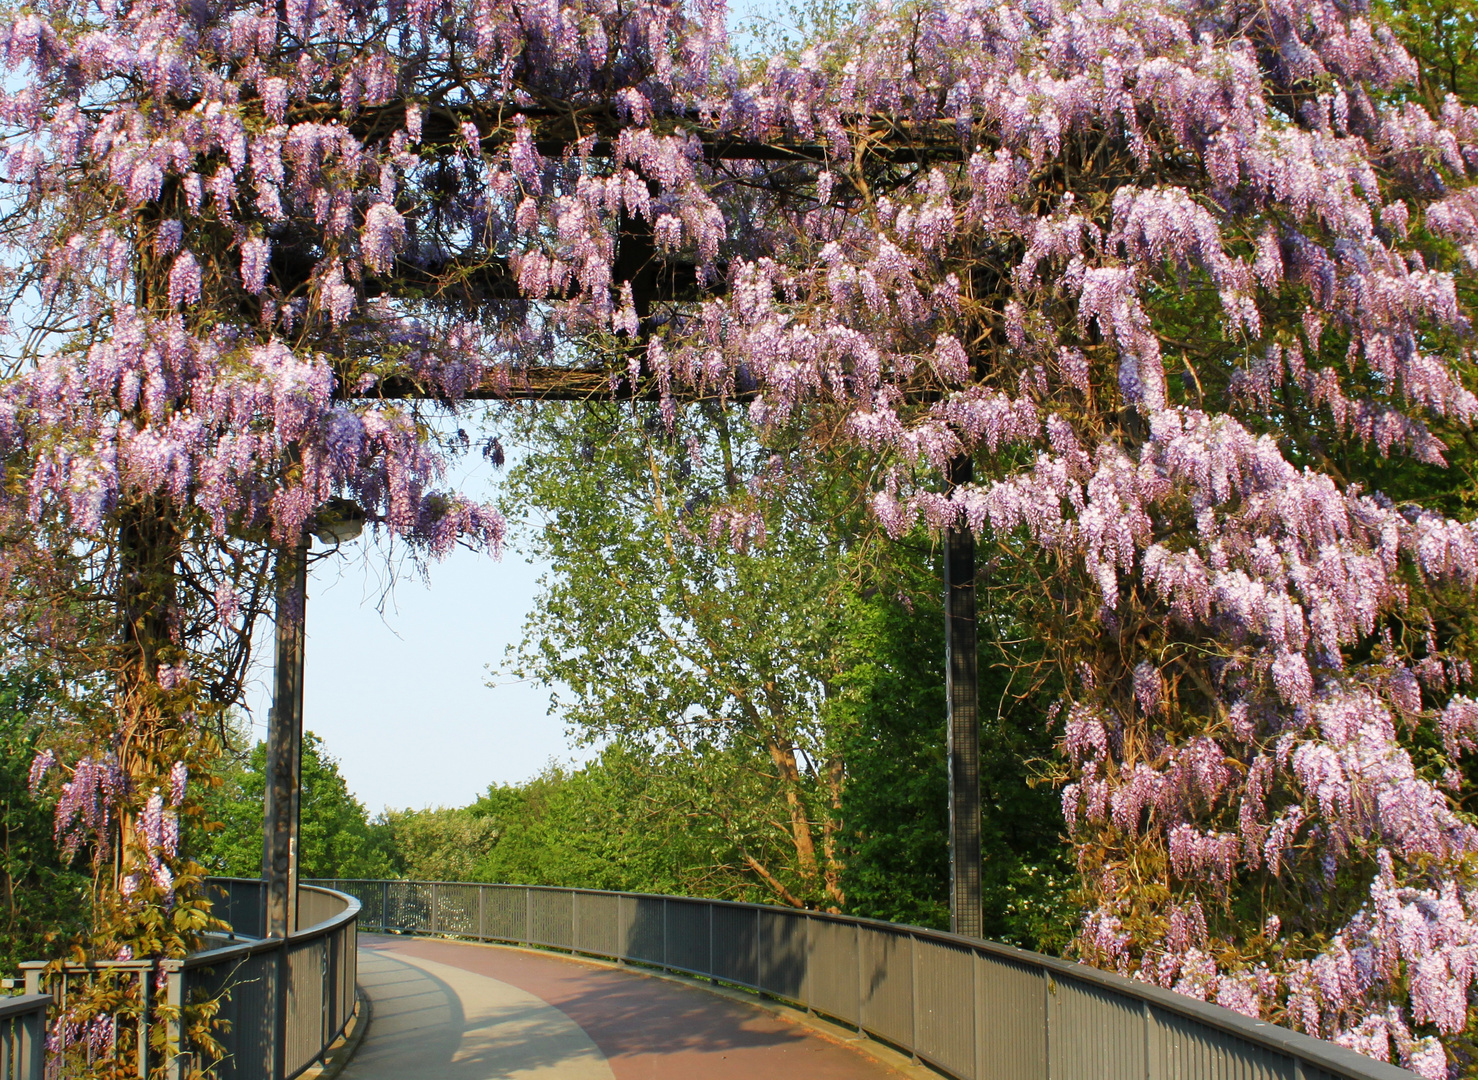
(448, 1011)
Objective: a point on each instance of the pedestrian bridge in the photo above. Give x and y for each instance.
(442, 1003)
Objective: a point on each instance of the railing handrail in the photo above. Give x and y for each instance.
(206, 957)
(21, 1004)
(1310, 1051)
(237, 950)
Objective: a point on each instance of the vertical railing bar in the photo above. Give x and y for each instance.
(175, 1050)
(913, 993)
(326, 998)
(861, 976)
(384, 907)
(35, 1046)
(759, 947)
(975, 1014)
(1151, 1069)
(279, 1025)
(143, 1025)
(528, 916)
(664, 933)
(1047, 1013)
(482, 913)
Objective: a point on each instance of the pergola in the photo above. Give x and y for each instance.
(654, 279)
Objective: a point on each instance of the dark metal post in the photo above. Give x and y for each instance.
(285, 746)
(962, 696)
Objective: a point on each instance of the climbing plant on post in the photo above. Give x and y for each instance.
(1175, 280)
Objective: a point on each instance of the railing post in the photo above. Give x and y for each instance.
(664, 933)
(176, 1054)
(326, 999)
(759, 948)
(574, 921)
(975, 1047)
(913, 995)
(30, 1045)
(143, 1029)
(623, 929)
(435, 897)
(279, 1016)
(482, 913)
(1048, 994)
(1151, 1042)
(384, 907)
(528, 916)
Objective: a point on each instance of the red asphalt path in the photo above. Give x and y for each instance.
(647, 1028)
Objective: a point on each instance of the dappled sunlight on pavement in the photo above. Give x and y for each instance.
(450, 1011)
(433, 1022)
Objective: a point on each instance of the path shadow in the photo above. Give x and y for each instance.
(626, 1014)
(425, 1028)
(416, 1024)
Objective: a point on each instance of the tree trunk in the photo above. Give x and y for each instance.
(148, 557)
(783, 755)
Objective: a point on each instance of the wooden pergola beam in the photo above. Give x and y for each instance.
(882, 140)
(550, 384)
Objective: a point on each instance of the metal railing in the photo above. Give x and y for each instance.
(23, 1037)
(285, 1001)
(976, 1010)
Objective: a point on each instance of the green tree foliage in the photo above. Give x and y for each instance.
(769, 674)
(336, 837)
(704, 634)
(619, 822)
(42, 899)
(435, 845)
(1442, 35)
(890, 702)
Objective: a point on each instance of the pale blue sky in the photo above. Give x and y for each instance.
(400, 697)
(396, 683)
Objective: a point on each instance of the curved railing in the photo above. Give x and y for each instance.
(974, 1009)
(285, 1000)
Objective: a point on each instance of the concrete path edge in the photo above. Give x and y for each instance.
(832, 1031)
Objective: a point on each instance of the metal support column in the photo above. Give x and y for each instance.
(962, 697)
(285, 745)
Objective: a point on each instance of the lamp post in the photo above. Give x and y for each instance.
(961, 679)
(338, 522)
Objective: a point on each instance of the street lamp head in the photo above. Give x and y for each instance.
(338, 521)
